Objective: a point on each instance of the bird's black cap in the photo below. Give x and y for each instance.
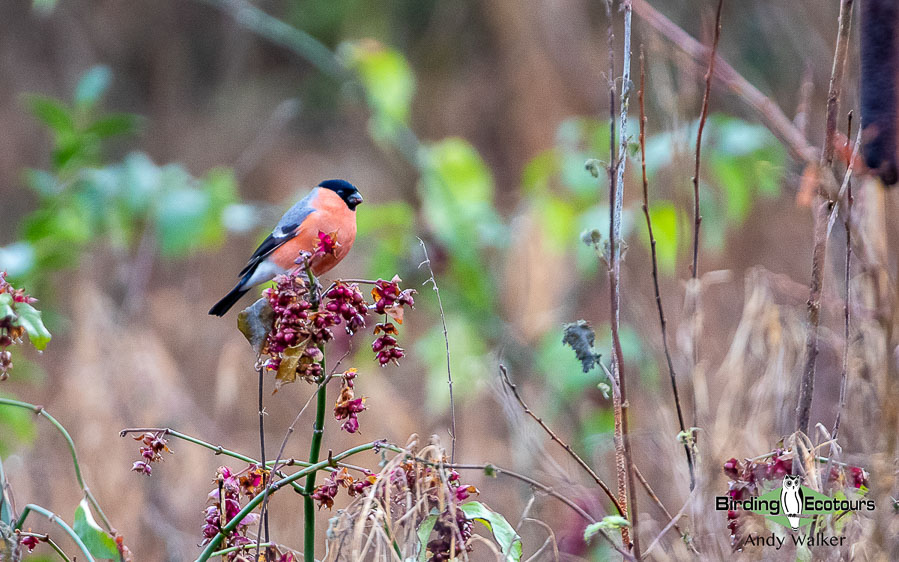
(345, 190)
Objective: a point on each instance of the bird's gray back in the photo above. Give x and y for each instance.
(296, 214)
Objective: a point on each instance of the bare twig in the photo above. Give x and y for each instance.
(670, 524)
(652, 495)
(822, 207)
(620, 462)
(703, 115)
(768, 111)
(623, 467)
(663, 325)
(507, 381)
(449, 373)
(847, 312)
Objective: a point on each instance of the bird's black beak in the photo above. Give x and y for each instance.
(354, 200)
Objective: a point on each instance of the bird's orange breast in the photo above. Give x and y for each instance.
(331, 215)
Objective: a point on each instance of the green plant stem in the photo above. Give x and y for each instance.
(39, 410)
(218, 449)
(46, 538)
(314, 452)
(246, 547)
(53, 518)
(256, 501)
(283, 34)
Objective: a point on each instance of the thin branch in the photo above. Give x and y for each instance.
(703, 115)
(663, 324)
(449, 373)
(651, 493)
(670, 524)
(257, 500)
(45, 538)
(290, 430)
(624, 464)
(514, 389)
(264, 519)
(217, 449)
(847, 311)
(537, 486)
(768, 111)
(53, 518)
(281, 33)
(822, 206)
(847, 308)
(40, 411)
(243, 547)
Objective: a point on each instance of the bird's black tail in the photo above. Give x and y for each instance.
(224, 305)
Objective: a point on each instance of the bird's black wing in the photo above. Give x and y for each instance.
(268, 246)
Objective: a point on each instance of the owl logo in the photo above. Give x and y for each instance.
(791, 500)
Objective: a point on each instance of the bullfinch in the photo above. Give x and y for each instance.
(328, 208)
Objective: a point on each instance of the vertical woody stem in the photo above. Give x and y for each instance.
(314, 452)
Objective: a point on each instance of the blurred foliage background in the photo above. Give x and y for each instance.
(148, 145)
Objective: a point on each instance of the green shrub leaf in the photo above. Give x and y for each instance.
(503, 533)
(97, 541)
(30, 319)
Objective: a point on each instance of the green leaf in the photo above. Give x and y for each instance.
(458, 196)
(424, 532)
(539, 172)
(503, 533)
(609, 522)
(386, 76)
(558, 220)
(97, 541)
(92, 86)
(114, 124)
(52, 113)
(180, 220)
(6, 309)
(663, 215)
(30, 319)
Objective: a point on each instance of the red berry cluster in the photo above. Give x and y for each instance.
(347, 301)
(749, 475)
(326, 493)
(298, 329)
(389, 299)
(10, 331)
(291, 314)
(225, 504)
(385, 345)
(153, 446)
(348, 406)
